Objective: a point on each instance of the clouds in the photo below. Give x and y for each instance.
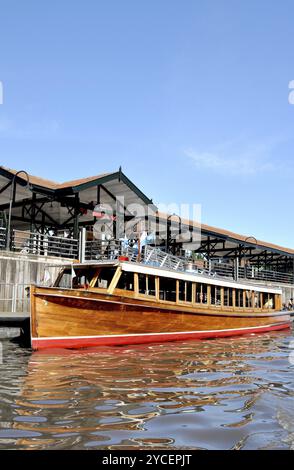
(236, 158)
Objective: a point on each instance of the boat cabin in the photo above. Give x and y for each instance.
(155, 284)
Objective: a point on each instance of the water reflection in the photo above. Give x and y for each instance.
(223, 394)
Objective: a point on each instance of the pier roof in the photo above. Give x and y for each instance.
(217, 236)
(72, 186)
(57, 203)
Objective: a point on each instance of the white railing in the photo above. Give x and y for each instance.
(156, 257)
(2, 238)
(44, 245)
(101, 250)
(65, 247)
(14, 298)
(251, 273)
(104, 250)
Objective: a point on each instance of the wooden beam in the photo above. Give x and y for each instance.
(114, 281)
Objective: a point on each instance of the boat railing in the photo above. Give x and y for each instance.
(111, 250)
(157, 257)
(103, 250)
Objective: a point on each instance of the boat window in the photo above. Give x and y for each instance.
(231, 297)
(182, 291)
(126, 281)
(212, 295)
(185, 291)
(268, 300)
(201, 293)
(218, 296)
(147, 285)
(239, 298)
(64, 280)
(198, 297)
(272, 303)
(215, 295)
(76, 278)
(265, 299)
(151, 289)
(248, 298)
(226, 297)
(167, 289)
(189, 290)
(105, 277)
(142, 284)
(257, 300)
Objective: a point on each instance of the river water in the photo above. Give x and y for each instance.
(235, 393)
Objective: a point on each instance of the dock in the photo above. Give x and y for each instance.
(15, 320)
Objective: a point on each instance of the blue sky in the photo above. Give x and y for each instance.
(191, 98)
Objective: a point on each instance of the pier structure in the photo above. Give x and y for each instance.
(44, 223)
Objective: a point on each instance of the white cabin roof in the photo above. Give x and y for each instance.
(142, 268)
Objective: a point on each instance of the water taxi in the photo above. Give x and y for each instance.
(120, 302)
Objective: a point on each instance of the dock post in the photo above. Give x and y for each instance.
(14, 295)
(82, 245)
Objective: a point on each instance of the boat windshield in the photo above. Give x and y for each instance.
(84, 277)
(76, 278)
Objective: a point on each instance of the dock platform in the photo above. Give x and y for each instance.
(14, 320)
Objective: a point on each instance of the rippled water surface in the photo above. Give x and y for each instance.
(233, 393)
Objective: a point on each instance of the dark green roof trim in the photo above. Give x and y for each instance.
(247, 244)
(10, 177)
(96, 182)
(23, 182)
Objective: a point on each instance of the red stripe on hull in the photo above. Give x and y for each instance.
(80, 342)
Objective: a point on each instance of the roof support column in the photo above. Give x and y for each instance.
(33, 212)
(76, 216)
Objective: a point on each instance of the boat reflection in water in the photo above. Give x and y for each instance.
(227, 393)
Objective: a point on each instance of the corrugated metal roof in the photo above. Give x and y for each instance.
(48, 184)
(227, 233)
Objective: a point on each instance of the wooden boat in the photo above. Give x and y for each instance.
(120, 302)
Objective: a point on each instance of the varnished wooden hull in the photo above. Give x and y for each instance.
(79, 318)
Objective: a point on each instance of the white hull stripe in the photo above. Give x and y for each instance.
(160, 334)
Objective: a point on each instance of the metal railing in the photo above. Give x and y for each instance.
(44, 245)
(14, 298)
(260, 274)
(251, 273)
(2, 238)
(156, 257)
(65, 247)
(102, 250)
(111, 250)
